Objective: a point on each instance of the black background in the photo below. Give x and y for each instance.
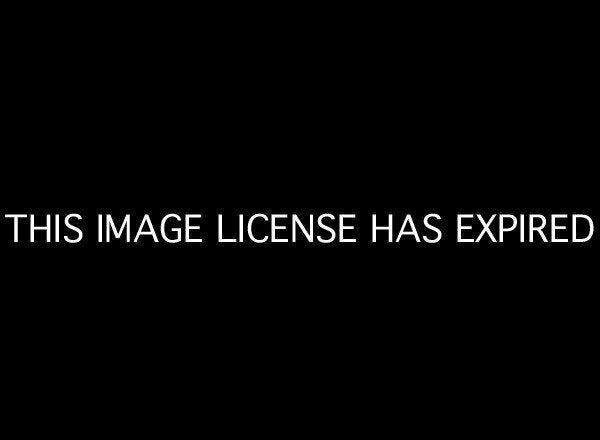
(381, 113)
